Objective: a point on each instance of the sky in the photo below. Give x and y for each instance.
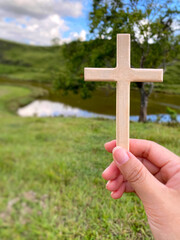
(37, 22)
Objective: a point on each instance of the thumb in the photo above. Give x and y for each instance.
(144, 183)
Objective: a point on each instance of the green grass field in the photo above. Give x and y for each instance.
(51, 185)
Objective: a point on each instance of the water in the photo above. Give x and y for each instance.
(103, 101)
(45, 108)
(101, 104)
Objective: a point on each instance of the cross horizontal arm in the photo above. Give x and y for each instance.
(146, 75)
(99, 74)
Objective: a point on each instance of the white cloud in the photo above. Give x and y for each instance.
(143, 25)
(176, 25)
(40, 32)
(82, 35)
(146, 33)
(41, 8)
(38, 21)
(73, 36)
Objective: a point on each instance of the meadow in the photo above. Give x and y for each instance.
(51, 185)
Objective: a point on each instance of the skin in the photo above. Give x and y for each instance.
(153, 173)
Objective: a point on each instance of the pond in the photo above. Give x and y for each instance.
(103, 101)
(102, 104)
(46, 108)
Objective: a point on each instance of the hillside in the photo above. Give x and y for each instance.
(26, 62)
(43, 64)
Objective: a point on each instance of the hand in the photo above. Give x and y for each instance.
(153, 173)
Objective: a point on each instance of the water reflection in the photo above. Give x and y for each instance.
(156, 117)
(103, 100)
(45, 108)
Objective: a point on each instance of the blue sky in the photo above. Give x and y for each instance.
(37, 22)
(80, 23)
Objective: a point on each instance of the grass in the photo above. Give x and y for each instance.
(51, 185)
(13, 97)
(29, 63)
(171, 83)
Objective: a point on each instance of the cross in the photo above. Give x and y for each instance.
(123, 74)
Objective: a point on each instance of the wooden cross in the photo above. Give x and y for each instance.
(123, 74)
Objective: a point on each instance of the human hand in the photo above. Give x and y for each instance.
(153, 173)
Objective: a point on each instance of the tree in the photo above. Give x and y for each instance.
(77, 55)
(151, 25)
(55, 41)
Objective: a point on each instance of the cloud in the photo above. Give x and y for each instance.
(143, 31)
(39, 32)
(39, 21)
(41, 8)
(73, 36)
(176, 25)
(142, 25)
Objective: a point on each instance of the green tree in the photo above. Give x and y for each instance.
(77, 55)
(151, 25)
(55, 41)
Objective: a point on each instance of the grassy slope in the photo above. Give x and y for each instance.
(41, 64)
(171, 83)
(51, 185)
(24, 62)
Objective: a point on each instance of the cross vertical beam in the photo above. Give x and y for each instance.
(123, 51)
(122, 91)
(122, 114)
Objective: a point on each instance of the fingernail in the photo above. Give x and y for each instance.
(105, 170)
(120, 155)
(107, 143)
(107, 184)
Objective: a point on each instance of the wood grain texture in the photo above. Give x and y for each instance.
(146, 75)
(122, 113)
(123, 74)
(99, 74)
(123, 51)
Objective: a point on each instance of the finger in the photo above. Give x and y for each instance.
(114, 185)
(141, 180)
(118, 194)
(148, 150)
(111, 172)
(174, 183)
(150, 166)
(110, 145)
(128, 187)
(159, 177)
